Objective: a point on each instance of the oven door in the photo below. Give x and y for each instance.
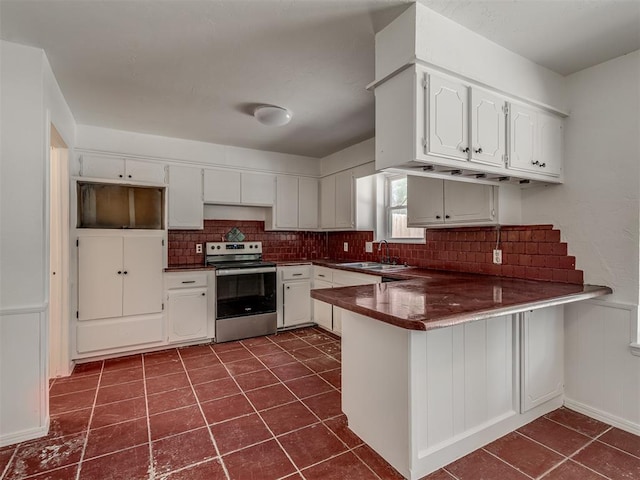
(242, 292)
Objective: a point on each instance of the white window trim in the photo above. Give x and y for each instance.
(385, 233)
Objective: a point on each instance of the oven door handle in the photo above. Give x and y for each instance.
(243, 271)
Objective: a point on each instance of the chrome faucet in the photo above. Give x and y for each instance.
(386, 259)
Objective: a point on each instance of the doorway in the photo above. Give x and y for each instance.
(59, 362)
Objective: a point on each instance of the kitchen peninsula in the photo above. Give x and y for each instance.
(441, 363)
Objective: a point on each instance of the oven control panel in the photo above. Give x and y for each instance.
(233, 248)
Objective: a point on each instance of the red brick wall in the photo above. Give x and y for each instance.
(529, 251)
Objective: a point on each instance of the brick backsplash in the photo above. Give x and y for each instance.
(528, 251)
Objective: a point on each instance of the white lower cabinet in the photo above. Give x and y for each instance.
(542, 356)
(322, 312)
(186, 296)
(293, 295)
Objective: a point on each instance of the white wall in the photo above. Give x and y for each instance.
(598, 211)
(105, 140)
(30, 98)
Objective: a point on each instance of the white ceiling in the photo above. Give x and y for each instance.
(196, 69)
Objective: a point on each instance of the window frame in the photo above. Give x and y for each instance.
(388, 213)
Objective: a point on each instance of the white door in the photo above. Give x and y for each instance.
(186, 209)
(100, 275)
(307, 202)
(345, 200)
(328, 202)
(297, 308)
(102, 167)
(144, 171)
(221, 186)
(322, 311)
(550, 141)
(448, 118)
(257, 189)
(468, 202)
(187, 312)
(142, 273)
(542, 356)
(425, 201)
(286, 202)
(488, 128)
(522, 138)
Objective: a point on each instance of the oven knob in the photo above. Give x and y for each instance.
(250, 246)
(218, 247)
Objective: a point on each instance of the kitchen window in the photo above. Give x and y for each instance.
(396, 212)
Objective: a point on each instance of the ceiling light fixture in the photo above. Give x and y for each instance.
(272, 115)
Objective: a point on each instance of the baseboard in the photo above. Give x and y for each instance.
(603, 416)
(24, 435)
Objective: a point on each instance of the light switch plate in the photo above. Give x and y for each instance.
(368, 247)
(346, 246)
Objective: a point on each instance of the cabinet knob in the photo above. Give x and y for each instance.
(203, 294)
(129, 176)
(119, 272)
(446, 216)
(479, 150)
(288, 287)
(535, 162)
(120, 175)
(465, 150)
(125, 272)
(542, 165)
(438, 217)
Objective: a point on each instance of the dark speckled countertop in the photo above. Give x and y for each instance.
(427, 299)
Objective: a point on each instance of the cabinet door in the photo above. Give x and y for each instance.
(551, 143)
(221, 186)
(425, 201)
(102, 167)
(286, 202)
(468, 202)
(297, 305)
(307, 202)
(100, 275)
(448, 118)
(328, 202)
(186, 209)
(542, 353)
(522, 138)
(144, 171)
(187, 312)
(142, 271)
(257, 189)
(345, 201)
(322, 312)
(488, 128)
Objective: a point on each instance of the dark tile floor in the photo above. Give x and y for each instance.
(267, 408)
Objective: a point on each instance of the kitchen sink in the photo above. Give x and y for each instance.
(373, 266)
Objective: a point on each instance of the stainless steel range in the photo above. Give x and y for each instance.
(245, 290)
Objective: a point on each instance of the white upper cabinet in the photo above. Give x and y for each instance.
(535, 141)
(257, 189)
(345, 200)
(221, 186)
(286, 209)
(328, 202)
(122, 169)
(487, 128)
(307, 203)
(425, 201)
(448, 118)
(186, 209)
(296, 204)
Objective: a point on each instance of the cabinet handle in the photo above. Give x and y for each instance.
(447, 216)
(465, 150)
(438, 217)
(321, 275)
(119, 272)
(479, 150)
(189, 281)
(297, 275)
(535, 162)
(542, 165)
(125, 272)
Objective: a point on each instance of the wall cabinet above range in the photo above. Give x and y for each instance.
(238, 188)
(125, 169)
(440, 125)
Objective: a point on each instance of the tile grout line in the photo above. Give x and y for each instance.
(505, 462)
(93, 409)
(204, 417)
(152, 469)
(13, 456)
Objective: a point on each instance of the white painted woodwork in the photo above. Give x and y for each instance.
(542, 352)
(187, 314)
(115, 168)
(446, 391)
(118, 334)
(522, 137)
(286, 208)
(307, 203)
(257, 189)
(448, 118)
(468, 202)
(142, 275)
(100, 278)
(297, 305)
(186, 208)
(328, 202)
(343, 278)
(221, 186)
(551, 143)
(322, 311)
(345, 201)
(488, 127)
(432, 201)
(323, 273)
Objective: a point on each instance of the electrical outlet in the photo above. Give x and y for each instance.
(497, 257)
(497, 294)
(346, 246)
(368, 247)
(198, 248)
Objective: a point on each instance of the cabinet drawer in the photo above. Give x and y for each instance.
(323, 273)
(185, 280)
(296, 273)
